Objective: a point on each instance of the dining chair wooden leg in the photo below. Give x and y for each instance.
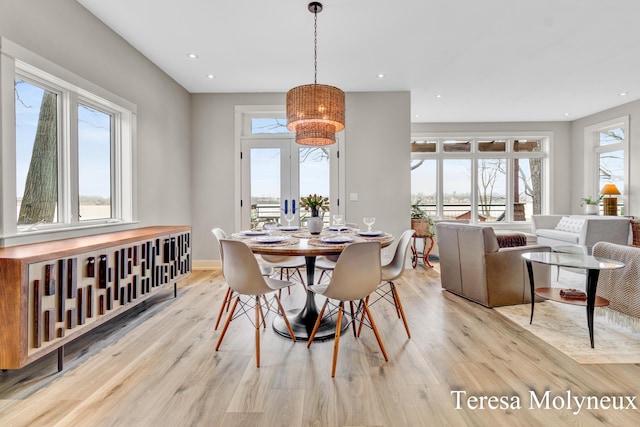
(394, 295)
(258, 311)
(375, 331)
(263, 322)
(336, 341)
(286, 320)
(227, 296)
(317, 325)
(400, 309)
(353, 319)
(366, 303)
(226, 324)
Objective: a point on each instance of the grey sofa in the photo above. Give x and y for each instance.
(472, 265)
(582, 230)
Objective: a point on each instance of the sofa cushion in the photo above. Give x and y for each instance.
(572, 225)
(564, 236)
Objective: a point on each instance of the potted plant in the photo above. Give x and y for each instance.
(316, 204)
(591, 205)
(420, 221)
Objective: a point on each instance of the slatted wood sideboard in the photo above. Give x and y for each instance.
(53, 292)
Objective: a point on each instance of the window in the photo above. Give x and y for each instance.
(607, 158)
(73, 149)
(478, 179)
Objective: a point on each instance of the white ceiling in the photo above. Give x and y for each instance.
(490, 60)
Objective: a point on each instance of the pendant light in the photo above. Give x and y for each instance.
(315, 112)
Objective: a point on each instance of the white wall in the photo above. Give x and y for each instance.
(632, 109)
(65, 33)
(377, 161)
(560, 152)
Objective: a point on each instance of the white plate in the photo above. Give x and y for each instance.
(337, 239)
(270, 239)
(372, 233)
(289, 228)
(254, 232)
(338, 228)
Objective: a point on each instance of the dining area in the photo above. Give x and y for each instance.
(342, 264)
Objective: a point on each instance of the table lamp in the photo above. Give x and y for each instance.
(610, 203)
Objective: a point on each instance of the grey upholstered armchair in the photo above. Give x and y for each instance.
(472, 265)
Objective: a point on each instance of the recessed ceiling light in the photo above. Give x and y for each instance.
(623, 93)
(438, 96)
(380, 76)
(566, 114)
(211, 76)
(192, 55)
(417, 116)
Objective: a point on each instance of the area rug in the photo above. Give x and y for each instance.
(564, 327)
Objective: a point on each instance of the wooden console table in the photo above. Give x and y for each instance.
(53, 292)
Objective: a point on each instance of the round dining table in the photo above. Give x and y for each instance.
(302, 243)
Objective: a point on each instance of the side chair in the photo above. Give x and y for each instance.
(356, 275)
(242, 273)
(266, 270)
(391, 272)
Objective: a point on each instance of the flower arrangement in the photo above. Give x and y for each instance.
(315, 203)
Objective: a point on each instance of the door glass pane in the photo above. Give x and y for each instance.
(265, 185)
(456, 186)
(315, 174)
(268, 125)
(611, 136)
(492, 189)
(36, 154)
(94, 163)
(424, 185)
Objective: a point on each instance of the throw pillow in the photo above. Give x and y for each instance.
(570, 225)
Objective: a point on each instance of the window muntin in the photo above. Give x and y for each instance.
(506, 174)
(95, 142)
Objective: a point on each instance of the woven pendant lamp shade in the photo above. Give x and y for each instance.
(315, 113)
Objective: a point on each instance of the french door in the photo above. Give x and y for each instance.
(277, 172)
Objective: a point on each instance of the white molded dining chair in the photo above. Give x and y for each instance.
(266, 270)
(242, 273)
(391, 272)
(357, 273)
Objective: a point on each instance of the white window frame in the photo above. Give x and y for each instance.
(16, 61)
(474, 155)
(593, 150)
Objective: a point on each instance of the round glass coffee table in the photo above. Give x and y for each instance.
(591, 264)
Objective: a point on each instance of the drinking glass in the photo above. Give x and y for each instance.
(337, 220)
(271, 227)
(288, 217)
(369, 221)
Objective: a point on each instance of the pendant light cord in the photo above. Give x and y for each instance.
(315, 47)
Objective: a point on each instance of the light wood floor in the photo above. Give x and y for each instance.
(157, 366)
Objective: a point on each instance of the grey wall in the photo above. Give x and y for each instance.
(376, 163)
(65, 33)
(632, 109)
(560, 152)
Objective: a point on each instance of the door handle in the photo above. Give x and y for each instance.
(286, 207)
(293, 206)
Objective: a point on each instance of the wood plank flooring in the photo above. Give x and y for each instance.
(156, 366)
